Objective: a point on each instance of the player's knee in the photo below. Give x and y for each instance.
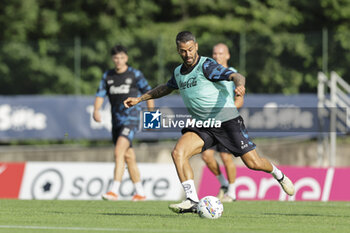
(227, 159)
(118, 155)
(205, 158)
(128, 158)
(177, 154)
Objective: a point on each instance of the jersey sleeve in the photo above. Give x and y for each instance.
(141, 82)
(102, 88)
(233, 69)
(172, 83)
(214, 71)
(233, 83)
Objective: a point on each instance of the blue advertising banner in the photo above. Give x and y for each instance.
(264, 116)
(47, 117)
(60, 117)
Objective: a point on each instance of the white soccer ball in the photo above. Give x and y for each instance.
(210, 207)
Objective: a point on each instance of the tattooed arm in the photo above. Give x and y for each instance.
(155, 93)
(239, 81)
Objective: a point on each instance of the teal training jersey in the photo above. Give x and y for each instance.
(230, 85)
(204, 91)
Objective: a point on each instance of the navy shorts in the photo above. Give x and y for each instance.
(232, 135)
(127, 131)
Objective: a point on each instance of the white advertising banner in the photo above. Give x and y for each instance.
(89, 180)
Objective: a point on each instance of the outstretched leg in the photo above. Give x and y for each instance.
(253, 161)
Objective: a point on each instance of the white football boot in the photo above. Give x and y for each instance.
(287, 185)
(187, 206)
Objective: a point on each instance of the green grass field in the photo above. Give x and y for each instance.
(26, 216)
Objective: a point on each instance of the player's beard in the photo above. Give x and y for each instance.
(191, 62)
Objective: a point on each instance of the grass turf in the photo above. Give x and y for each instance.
(26, 216)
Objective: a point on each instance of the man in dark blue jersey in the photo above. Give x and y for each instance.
(118, 84)
(206, 98)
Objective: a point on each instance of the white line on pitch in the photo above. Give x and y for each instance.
(89, 229)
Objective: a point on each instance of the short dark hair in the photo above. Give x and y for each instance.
(184, 36)
(118, 49)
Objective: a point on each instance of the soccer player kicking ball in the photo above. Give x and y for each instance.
(204, 96)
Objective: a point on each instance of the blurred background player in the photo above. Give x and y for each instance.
(118, 84)
(227, 192)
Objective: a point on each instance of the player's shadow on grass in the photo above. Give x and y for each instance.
(118, 214)
(307, 215)
(135, 214)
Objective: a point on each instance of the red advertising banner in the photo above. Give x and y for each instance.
(11, 175)
(311, 184)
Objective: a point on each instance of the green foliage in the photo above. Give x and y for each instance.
(281, 52)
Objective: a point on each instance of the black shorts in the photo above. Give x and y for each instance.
(127, 131)
(220, 148)
(232, 135)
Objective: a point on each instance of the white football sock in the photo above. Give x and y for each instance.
(190, 190)
(232, 191)
(222, 180)
(115, 187)
(276, 172)
(139, 189)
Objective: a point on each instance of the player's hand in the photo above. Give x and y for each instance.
(240, 90)
(97, 116)
(131, 101)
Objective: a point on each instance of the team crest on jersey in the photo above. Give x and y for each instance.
(128, 81)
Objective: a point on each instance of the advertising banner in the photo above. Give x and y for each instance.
(11, 175)
(88, 181)
(311, 184)
(70, 117)
(44, 117)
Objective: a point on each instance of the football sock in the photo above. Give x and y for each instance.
(276, 172)
(232, 190)
(190, 190)
(222, 180)
(115, 186)
(139, 189)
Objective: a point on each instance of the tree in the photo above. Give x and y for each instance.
(44, 42)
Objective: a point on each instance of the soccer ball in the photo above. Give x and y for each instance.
(210, 207)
